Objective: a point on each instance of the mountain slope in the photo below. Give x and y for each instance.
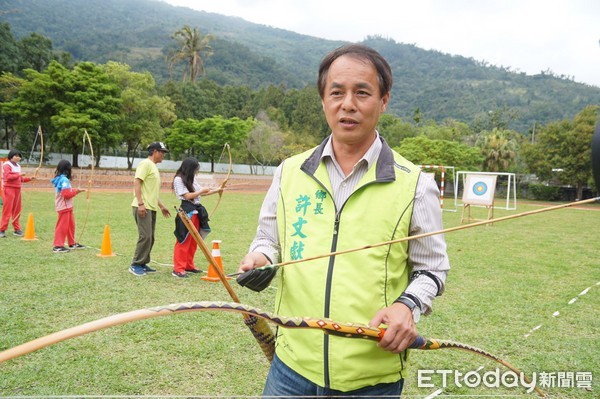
(439, 85)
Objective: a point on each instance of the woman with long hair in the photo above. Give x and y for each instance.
(189, 192)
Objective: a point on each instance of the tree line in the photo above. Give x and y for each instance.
(139, 33)
(123, 110)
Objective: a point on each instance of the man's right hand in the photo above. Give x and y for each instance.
(252, 261)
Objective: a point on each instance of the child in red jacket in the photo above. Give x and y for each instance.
(12, 179)
(65, 225)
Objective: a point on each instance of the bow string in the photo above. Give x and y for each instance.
(224, 182)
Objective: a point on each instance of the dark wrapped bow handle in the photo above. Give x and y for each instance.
(256, 279)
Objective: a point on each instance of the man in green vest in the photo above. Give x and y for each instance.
(350, 191)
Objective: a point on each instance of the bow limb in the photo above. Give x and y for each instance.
(432, 344)
(345, 329)
(41, 151)
(224, 182)
(122, 318)
(348, 330)
(258, 327)
(207, 253)
(86, 138)
(35, 173)
(92, 166)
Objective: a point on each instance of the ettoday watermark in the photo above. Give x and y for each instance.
(506, 379)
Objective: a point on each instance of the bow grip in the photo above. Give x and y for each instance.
(418, 343)
(257, 279)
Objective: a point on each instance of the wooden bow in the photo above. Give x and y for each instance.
(86, 138)
(258, 327)
(39, 134)
(348, 330)
(224, 182)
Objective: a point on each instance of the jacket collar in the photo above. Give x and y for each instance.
(384, 171)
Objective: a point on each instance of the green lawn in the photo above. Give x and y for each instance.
(506, 280)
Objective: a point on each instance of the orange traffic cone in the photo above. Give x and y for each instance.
(106, 248)
(29, 229)
(213, 276)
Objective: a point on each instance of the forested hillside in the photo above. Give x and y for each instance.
(428, 84)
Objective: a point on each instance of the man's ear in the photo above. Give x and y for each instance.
(384, 102)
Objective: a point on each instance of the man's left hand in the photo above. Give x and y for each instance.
(401, 330)
(165, 212)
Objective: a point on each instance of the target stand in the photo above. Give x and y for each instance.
(479, 191)
(469, 219)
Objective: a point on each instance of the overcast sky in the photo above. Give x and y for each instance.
(526, 35)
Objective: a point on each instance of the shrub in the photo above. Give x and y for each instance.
(543, 192)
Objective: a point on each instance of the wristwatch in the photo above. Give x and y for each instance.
(414, 308)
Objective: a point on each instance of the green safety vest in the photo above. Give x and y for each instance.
(346, 288)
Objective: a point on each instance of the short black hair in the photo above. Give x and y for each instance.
(360, 52)
(14, 152)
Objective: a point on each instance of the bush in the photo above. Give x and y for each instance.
(544, 193)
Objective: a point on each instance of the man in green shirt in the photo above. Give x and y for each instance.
(146, 202)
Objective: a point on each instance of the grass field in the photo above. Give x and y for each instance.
(506, 280)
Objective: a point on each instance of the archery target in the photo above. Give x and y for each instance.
(479, 189)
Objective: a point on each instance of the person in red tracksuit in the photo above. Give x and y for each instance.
(12, 179)
(65, 225)
(189, 192)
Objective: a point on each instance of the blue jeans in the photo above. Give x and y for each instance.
(282, 381)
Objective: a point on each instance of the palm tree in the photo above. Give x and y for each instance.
(193, 48)
(499, 149)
